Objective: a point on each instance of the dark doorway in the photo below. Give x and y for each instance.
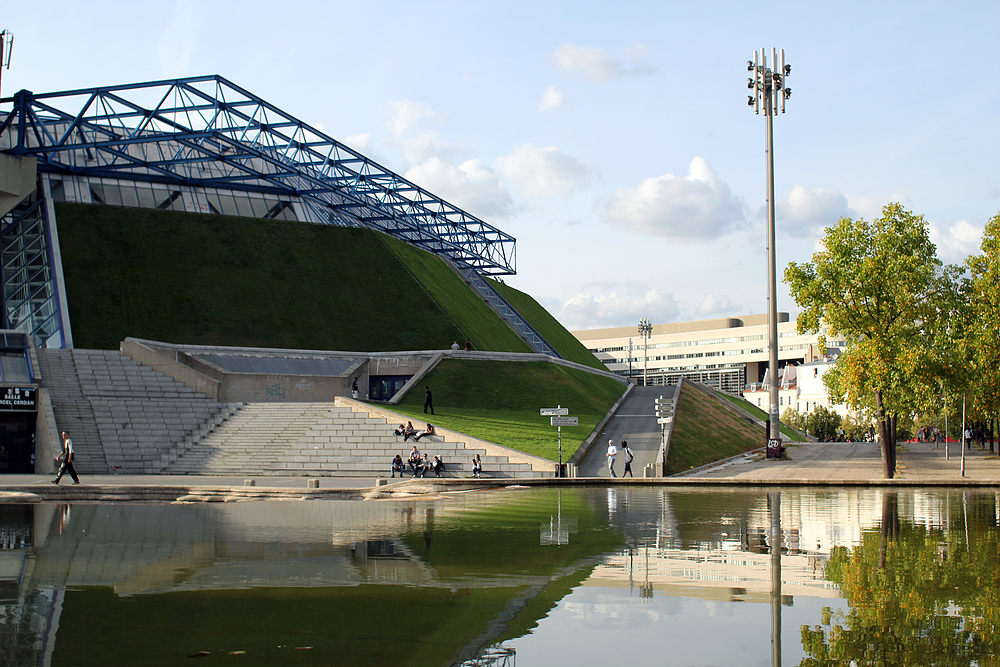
(17, 442)
(384, 387)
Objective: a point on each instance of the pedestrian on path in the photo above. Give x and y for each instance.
(612, 453)
(629, 456)
(65, 458)
(428, 400)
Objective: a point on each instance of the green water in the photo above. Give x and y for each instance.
(578, 576)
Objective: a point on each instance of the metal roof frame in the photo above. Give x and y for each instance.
(208, 132)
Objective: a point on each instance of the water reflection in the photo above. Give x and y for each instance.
(541, 577)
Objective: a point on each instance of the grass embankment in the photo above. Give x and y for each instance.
(705, 431)
(222, 280)
(499, 401)
(794, 436)
(466, 309)
(555, 334)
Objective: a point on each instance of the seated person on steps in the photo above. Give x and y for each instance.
(397, 466)
(414, 459)
(477, 466)
(409, 431)
(427, 431)
(438, 465)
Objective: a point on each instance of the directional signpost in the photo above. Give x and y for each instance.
(664, 417)
(557, 417)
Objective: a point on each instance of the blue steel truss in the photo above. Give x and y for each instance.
(207, 132)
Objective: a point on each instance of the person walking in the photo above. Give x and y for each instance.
(66, 459)
(629, 456)
(612, 453)
(428, 401)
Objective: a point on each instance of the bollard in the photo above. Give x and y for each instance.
(649, 470)
(312, 484)
(249, 482)
(381, 481)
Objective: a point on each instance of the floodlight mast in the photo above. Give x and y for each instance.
(769, 92)
(6, 48)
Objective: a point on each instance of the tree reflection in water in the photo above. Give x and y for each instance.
(916, 595)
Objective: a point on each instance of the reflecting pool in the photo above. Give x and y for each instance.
(572, 576)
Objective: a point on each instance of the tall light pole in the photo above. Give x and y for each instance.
(769, 92)
(645, 330)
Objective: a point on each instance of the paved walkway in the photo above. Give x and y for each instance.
(635, 422)
(858, 462)
(808, 463)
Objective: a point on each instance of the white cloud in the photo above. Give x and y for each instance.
(714, 305)
(472, 186)
(957, 241)
(544, 172)
(418, 143)
(599, 65)
(805, 212)
(610, 304)
(552, 98)
(695, 207)
(870, 206)
(362, 143)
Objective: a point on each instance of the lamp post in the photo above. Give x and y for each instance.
(769, 92)
(629, 359)
(645, 330)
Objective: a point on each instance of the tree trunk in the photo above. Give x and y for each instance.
(888, 445)
(893, 439)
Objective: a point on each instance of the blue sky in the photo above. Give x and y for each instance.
(613, 141)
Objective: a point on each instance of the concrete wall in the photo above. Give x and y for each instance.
(182, 363)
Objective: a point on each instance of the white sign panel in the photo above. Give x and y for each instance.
(550, 412)
(664, 420)
(564, 421)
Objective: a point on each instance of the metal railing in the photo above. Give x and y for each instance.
(508, 312)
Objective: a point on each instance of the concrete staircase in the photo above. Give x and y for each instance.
(121, 415)
(321, 439)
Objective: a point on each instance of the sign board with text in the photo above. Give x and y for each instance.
(18, 399)
(554, 412)
(564, 421)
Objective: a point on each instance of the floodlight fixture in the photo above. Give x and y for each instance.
(768, 81)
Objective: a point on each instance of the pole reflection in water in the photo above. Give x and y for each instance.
(774, 506)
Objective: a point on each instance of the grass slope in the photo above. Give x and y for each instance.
(705, 431)
(499, 401)
(474, 318)
(758, 413)
(221, 280)
(565, 343)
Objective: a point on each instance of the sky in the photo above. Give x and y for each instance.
(612, 140)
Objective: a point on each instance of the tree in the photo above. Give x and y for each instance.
(984, 309)
(872, 283)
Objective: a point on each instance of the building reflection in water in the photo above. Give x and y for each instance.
(747, 546)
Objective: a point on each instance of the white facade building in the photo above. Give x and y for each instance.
(728, 353)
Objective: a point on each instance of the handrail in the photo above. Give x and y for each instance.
(508, 312)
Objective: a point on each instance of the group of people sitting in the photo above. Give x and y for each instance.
(419, 465)
(407, 431)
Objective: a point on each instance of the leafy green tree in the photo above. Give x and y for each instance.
(873, 283)
(794, 419)
(984, 316)
(823, 423)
